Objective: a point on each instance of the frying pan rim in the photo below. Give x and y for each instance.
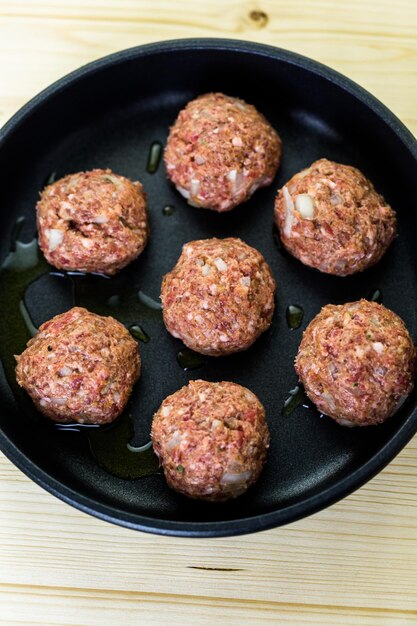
(263, 521)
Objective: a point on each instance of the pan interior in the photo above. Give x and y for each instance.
(110, 118)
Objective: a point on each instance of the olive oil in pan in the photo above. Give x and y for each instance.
(27, 319)
(138, 333)
(297, 397)
(149, 302)
(113, 452)
(294, 316)
(23, 265)
(51, 178)
(375, 296)
(155, 153)
(190, 360)
(115, 296)
(110, 445)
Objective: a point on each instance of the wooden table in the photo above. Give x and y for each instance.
(356, 562)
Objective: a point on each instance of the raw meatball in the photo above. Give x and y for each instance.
(331, 218)
(80, 367)
(220, 150)
(219, 297)
(211, 439)
(92, 222)
(357, 362)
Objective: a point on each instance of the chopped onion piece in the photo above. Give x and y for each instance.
(347, 423)
(304, 204)
(240, 105)
(100, 219)
(230, 478)
(194, 187)
(65, 371)
(289, 212)
(113, 179)
(378, 347)
(174, 440)
(184, 192)
(55, 237)
(330, 401)
(59, 401)
(220, 264)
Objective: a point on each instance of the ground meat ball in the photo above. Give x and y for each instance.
(92, 222)
(211, 439)
(331, 218)
(220, 150)
(80, 367)
(357, 362)
(219, 297)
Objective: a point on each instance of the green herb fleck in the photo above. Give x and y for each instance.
(180, 469)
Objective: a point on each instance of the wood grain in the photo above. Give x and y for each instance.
(354, 563)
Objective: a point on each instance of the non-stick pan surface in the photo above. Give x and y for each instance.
(108, 114)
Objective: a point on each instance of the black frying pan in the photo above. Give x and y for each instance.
(108, 114)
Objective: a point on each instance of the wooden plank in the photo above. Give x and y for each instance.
(90, 607)
(361, 552)
(376, 45)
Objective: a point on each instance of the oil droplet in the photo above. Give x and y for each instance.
(137, 332)
(113, 301)
(294, 315)
(51, 178)
(296, 397)
(375, 296)
(190, 360)
(27, 318)
(112, 450)
(149, 302)
(168, 210)
(154, 158)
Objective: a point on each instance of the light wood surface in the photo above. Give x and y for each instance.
(354, 563)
